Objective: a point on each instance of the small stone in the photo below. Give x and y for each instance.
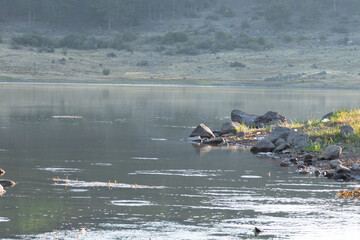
(294, 160)
(335, 163)
(214, 141)
(284, 164)
(332, 152)
(355, 167)
(301, 166)
(329, 174)
(304, 172)
(317, 172)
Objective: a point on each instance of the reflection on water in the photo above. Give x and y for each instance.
(112, 166)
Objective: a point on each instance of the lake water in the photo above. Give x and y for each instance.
(66, 145)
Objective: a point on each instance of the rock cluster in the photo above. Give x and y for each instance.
(269, 118)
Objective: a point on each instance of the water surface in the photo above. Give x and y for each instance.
(66, 145)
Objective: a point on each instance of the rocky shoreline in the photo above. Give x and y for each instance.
(267, 136)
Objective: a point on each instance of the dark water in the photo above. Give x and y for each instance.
(165, 188)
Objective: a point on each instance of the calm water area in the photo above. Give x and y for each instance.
(107, 162)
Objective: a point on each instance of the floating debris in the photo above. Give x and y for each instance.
(349, 194)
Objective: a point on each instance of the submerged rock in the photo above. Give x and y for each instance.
(264, 145)
(202, 131)
(7, 183)
(214, 141)
(332, 152)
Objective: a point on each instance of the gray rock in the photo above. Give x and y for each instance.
(304, 172)
(335, 163)
(284, 164)
(346, 131)
(294, 160)
(327, 116)
(229, 127)
(2, 191)
(343, 177)
(202, 131)
(308, 156)
(281, 147)
(240, 134)
(7, 183)
(317, 172)
(214, 141)
(332, 152)
(264, 145)
(341, 169)
(355, 167)
(298, 141)
(279, 141)
(192, 139)
(242, 117)
(269, 118)
(279, 133)
(217, 133)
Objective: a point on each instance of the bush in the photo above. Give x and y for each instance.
(189, 49)
(287, 39)
(143, 63)
(106, 71)
(129, 36)
(237, 65)
(278, 13)
(33, 40)
(322, 38)
(225, 11)
(111, 55)
(301, 38)
(245, 24)
(174, 37)
(343, 41)
(341, 29)
(74, 40)
(213, 17)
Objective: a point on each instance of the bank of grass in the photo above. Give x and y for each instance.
(329, 131)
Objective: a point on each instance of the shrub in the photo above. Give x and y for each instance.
(189, 49)
(237, 65)
(74, 40)
(64, 51)
(341, 29)
(287, 39)
(225, 11)
(129, 36)
(322, 38)
(106, 71)
(245, 24)
(33, 40)
(301, 38)
(278, 13)
(46, 49)
(213, 17)
(174, 37)
(143, 63)
(111, 55)
(344, 40)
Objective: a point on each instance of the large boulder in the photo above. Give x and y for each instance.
(202, 131)
(346, 131)
(298, 141)
(229, 127)
(264, 145)
(269, 118)
(332, 152)
(279, 133)
(242, 117)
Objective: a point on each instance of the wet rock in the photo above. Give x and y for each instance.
(301, 166)
(2, 172)
(229, 127)
(308, 156)
(355, 167)
(2, 191)
(346, 177)
(335, 163)
(293, 160)
(341, 169)
(270, 118)
(281, 147)
(214, 141)
(217, 133)
(329, 174)
(193, 139)
(7, 183)
(284, 164)
(279, 141)
(346, 131)
(264, 145)
(279, 133)
(268, 154)
(317, 172)
(202, 131)
(304, 172)
(242, 117)
(240, 134)
(308, 162)
(332, 152)
(224, 144)
(298, 141)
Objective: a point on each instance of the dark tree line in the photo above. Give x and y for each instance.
(90, 13)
